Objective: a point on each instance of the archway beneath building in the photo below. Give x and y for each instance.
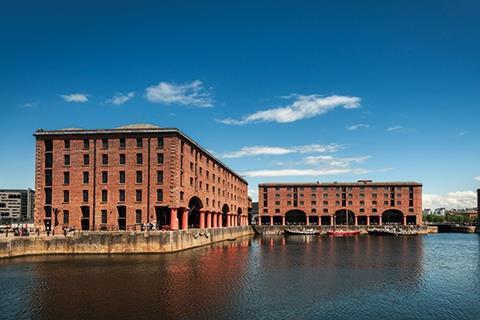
(295, 217)
(162, 215)
(194, 206)
(392, 216)
(225, 211)
(239, 216)
(344, 217)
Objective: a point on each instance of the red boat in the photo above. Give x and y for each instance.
(343, 233)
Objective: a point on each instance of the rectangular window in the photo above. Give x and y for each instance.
(66, 196)
(105, 144)
(139, 158)
(66, 144)
(123, 158)
(139, 177)
(122, 143)
(104, 177)
(139, 142)
(122, 177)
(48, 145)
(138, 216)
(160, 158)
(65, 216)
(85, 195)
(48, 178)
(66, 177)
(86, 160)
(160, 176)
(138, 195)
(86, 144)
(85, 177)
(104, 216)
(160, 195)
(104, 159)
(48, 160)
(48, 196)
(160, 142)
(121, 195)
(104, 196)
(66, 159)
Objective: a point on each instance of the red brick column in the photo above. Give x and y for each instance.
(380, 220)
(355, 219)
(271, 220)
(184, 219)
(173, 219)
(283, 220)
(308, 220)
(368, 220)
(209, 219)
(219, 217)
(202, 219)
(214, 219)
(404, 220)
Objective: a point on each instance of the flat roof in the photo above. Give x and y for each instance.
(132, 130)
(360, 183)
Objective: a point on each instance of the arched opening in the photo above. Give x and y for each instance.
(295, 217)
(163, 217)
(194, 206)
(344, 217)
(239, 216)
(225, 211)
(392, 216)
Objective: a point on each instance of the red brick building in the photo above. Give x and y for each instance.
(362, 203)
(120, 179)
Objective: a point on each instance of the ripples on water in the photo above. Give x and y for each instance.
(296, 277)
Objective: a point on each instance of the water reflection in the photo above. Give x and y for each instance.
(271, 277)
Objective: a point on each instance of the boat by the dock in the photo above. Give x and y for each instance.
(343, 232)
(392, 232)
(308, 232)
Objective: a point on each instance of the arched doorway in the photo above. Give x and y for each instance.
(344, 217)
(392, 216)
(194, 206)
(295, 217)
(239, 216)
(225, 211)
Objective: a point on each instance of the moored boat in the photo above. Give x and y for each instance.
(392, 232)
(301, 232)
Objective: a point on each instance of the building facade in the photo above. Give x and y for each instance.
(121, 179)
(16, 205)
(340, 203)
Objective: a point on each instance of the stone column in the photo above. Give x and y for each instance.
(184, 219)
(332, 220)
(209, 220)
(308, 220)
(202, 219)
(173, 219)
(368, 220)
(271, 220)
(214, 219)
(380, 220)
(259, 220)
(220, 222)
(283, 220)
(404, 220)
(355, 219)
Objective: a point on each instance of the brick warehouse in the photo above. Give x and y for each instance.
(367, 202)
(119, 179)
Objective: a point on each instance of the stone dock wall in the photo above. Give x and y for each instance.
(119, 242)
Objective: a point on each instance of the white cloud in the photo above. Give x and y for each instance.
(303, 107)
(395, 128)
(334, 161)
(120, 98)
(295, 172)
(456, 199)
(267, 150)
(189, 94)
(477, 178)
(253, 193)
(358, 126)
(75, 97)
(30, 104)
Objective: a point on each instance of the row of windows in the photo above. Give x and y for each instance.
(105, 160)
(337, 203)
(104, 196)
(325, 211)
(121, 177)
(338, 195)
(296, 189)
(105, 143)
(138, 216)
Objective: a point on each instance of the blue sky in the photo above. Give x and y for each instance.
(280, 90)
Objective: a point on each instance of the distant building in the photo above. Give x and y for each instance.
(335, 203)
(16, 205)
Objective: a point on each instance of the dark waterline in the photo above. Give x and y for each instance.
(425, 277)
